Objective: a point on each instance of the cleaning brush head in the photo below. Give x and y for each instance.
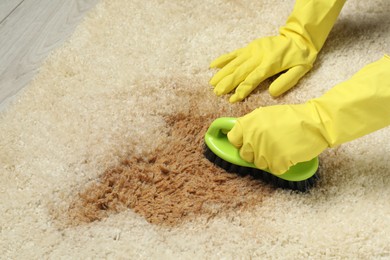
(219, 151)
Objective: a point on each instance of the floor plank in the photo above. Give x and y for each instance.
(7, 6)
(29, 33)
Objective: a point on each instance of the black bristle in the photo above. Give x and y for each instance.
(234, 168)
(302, 186)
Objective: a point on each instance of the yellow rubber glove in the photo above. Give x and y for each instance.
(294, 50)
(277, 137)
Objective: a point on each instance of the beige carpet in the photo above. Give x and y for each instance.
(101, 155)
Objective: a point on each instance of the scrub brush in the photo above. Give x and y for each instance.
(221, 152)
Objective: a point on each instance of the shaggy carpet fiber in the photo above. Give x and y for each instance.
(102, 154)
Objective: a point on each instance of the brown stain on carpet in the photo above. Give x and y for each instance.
(170, 185)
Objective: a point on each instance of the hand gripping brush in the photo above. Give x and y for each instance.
(221, 152)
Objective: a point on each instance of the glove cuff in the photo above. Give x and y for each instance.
(312, 21)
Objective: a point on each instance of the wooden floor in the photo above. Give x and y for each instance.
(29, 30)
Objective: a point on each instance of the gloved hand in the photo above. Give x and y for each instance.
(293, 51)
(277, 137)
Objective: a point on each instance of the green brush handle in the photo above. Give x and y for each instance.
(217, 141)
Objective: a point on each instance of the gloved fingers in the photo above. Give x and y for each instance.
(230, 82)
(250, 83)
(287, 80)
(222, 60)
(235, 135)
(261, 162)
(279, 166)
(227, 70)
(247, 153)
